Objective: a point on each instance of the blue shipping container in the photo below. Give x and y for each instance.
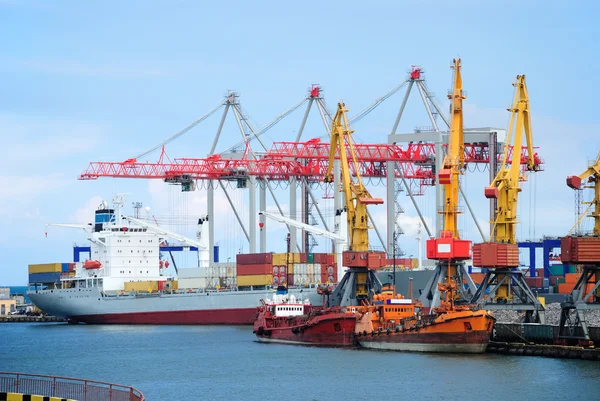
(65, 267)
(44, 278)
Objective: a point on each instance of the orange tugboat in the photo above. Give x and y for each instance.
(398, 324)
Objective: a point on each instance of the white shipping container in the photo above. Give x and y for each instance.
(198, 282)
(317, 269)
(191, 272)
(310, 269)
(231, 271)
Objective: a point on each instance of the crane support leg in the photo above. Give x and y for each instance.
(252, 213)
(509, 291)
(210, 210)
(457, 271)
(262, 220)
(585, 296)
(293, 210)
(358, 284)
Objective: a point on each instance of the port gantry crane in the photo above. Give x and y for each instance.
(585, 251)
(448, 249)
(359, 282)
(500, 256)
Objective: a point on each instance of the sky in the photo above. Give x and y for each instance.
(105, 81)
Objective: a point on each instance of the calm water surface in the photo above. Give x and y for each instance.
(225, 363)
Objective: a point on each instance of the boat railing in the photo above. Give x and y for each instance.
(66, 388)
(121, 293)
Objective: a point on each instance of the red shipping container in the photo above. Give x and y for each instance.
(254, 258)
(448, 248)
(248, 270)
(303, 258)
(534, 282)
(580, 250)
(495, 255)
(355, 259)
(321, 258)
(330, 258)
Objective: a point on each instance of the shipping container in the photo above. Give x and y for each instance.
(251, 270)
(489, 254)
(304, 257)
(254, 258)
(565, 288)
(310, 258)
(45, 268)
(44, 278)
(580, 249)
(136, 286)
(279, 259)
(255, 280)
(572, 277)
(195, 282)
(331, 258)
(477, 277)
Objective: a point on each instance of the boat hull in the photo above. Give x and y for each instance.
(474, 342)
(92, 306)
(331, 329)
(449, 332)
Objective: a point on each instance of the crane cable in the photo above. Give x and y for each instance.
(183, 131)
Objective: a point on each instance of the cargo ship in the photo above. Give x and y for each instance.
(125, 282)
(287, 320)
(396, 324)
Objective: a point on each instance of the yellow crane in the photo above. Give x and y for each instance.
(592, 175)
(359, 282)
(505, 186)
(585, 252)
(454, 161)
(448, 248)
(501, 254)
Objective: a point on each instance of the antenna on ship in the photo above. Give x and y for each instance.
(118, 201)
(137, 206)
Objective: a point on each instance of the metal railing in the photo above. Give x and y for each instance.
(67, 387)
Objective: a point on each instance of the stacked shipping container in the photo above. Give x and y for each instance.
(254, 269)
(47, 273)
(290, 269)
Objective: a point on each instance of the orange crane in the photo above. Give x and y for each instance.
(359, 282)
(503, 286)
(448, 249)
(584, 251)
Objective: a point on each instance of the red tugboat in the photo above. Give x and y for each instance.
(288, 320)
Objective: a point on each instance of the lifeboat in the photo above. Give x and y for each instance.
(91, 264)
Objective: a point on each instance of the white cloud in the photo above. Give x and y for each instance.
(31, 141)
(85, 214)
(16, 189)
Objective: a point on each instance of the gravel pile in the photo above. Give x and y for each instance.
(552, 316)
